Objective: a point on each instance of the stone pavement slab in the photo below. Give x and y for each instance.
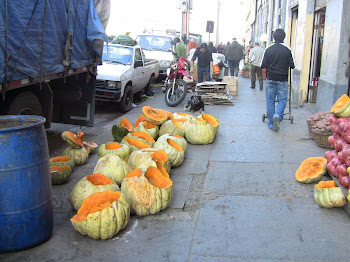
(270, 228)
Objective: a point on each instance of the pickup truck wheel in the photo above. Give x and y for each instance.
(127, 100)
(150, 86)
(25, 104)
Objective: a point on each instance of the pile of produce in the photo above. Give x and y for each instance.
(132, 173)
(337, 162)
(61, 167)
(319, 122)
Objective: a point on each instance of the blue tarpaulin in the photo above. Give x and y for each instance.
(37, 32)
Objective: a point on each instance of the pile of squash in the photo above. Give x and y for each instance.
(131, 175)
(326, 193)
(61, 167)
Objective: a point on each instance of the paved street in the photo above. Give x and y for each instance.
(234, 200)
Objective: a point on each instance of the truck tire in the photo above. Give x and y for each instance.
(150, 86)
(127, 100)
(25, 104)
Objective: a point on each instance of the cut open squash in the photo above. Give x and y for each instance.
(311, 170)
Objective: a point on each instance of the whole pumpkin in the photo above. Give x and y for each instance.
(199, 132)
(113, 167)
(89, 185)
(102, 215)
(121, 150)
(79, 155)
(175, 152)
(147, 192)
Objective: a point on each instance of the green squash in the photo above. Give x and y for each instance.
(199, 132)
(113, 167)
(175, 152)
(79, 155)
(60, 174)
(148, 191)
(89, 185)
(172, 127)
(121, 150)
(151, 129)
(328, 195)
(102, 215)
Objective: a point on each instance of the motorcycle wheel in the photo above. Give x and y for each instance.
(174, 96)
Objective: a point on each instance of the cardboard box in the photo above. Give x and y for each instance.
(230, 80)
(233, 89)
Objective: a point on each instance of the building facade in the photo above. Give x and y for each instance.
(318, 32)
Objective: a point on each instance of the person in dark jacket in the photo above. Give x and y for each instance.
(234, 53)
(204, 64)
(277, 59)
(220, 48)
(212, 48)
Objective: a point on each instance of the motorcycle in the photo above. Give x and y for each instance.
(175, 86)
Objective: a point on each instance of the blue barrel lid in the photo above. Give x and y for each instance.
(18, 122)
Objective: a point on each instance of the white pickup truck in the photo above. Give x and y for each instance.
(124, 71)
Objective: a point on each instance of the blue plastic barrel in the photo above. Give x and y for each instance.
(26, 211)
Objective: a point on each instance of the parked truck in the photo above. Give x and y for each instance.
(49, 52)
(124, 72)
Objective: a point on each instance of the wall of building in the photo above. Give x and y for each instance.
(333, 82)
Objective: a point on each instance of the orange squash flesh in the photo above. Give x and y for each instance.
(144, 136)
(113, 145)
(200, 120)
(162, 169)
(174, 145)
(155, 113)
(170, 115)
(60, 159)
(156, 178)
(99, 179)
(148, 125)
(311, 169)
(180, 120)
(340, 103)
(176, 123)
(140, 119)
(326, 184)
(182, 114)
(76, 138)
(126, 123)
(136, 172)
(160, 155)
(94, 203)
(137, 143)
(210, 120)
(177, 136)
(54, 169)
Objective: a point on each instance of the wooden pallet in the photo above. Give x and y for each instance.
(214, 93)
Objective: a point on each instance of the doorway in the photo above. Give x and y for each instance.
(316, 54)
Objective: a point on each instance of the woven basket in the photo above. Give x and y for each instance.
(322, 139)
(311, 134)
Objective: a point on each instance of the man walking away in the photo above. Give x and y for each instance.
(180, 49)
(277, 59)
(204, 64)
(225, 51)
(234, 53)
(255, 58)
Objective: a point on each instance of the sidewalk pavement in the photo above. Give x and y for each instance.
(234, 200)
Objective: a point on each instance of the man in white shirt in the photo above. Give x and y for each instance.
(255, 57)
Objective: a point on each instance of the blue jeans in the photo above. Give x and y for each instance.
(201, 70)
(279, 90)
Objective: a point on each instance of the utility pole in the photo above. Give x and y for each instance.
(185, 6)
(217, 23)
